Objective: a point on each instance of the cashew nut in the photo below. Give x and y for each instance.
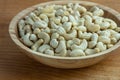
(82, 46)
(92, 51)
(26, 40)
(77, 53)
(43, 48)
(101, 46)
(44, 36)
(37, 44)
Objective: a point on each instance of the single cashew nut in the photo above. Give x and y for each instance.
(21, 25)
(71, 35)
(28, 20)
(77, 53)
(36, 45)
(43, 48)
(82, 46)
(67, 26)
(101, 46)
(49, 52)
(92, 51)
(33, 37)
(104, 39)
(26, 40)
(44, 36)
(54, 43)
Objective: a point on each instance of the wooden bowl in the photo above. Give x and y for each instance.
(63, 62)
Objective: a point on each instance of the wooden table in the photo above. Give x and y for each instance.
(17, 66)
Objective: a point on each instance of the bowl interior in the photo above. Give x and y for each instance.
(109, 13)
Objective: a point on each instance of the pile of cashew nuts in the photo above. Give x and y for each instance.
(69, 30)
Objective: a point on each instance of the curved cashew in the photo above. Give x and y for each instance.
(92, 51)
(49, 52)
(44, 36)
(104, 39)
(27, 29)
(81, 28)
(56, 20)
(37, 44)
(47, 30)
(43, 48)
(69, 43)
(88, 18)
(67, 26)
(44, 17)
(21, 25)
(94, 39)
(33, 37)
(98, 20)
(54, 35)
(40, 24)
(70, 35)
(113, 25)
(92, 44)
(93, 27)
(77, 53)
(73, 20)
(53, 25)
(26, 40)
(105, 33)
(97, 11)
(81, 9)
(54, 43)
(84, 35)
(61, 49)
(28, 20)
(34, 17)
(74, 41)
(101, 46)
(36, 31)
(113, 40)
(82, 46)
(61, 30)
(48, 9)
(64, 19)
(61, 46)
(70, 5)
(104, 25)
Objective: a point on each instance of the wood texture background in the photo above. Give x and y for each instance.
(17, 66)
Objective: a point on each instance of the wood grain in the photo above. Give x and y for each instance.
(17, 66)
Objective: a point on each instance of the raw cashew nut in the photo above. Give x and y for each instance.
(104, 39)
(67, 26)
(84, 35)
(44, 17)
(82, 46)
(36, 45)
(54, 43)
(27, 29)
(40, 24)
(43, 48)
(33, 37)
(101, 46)
(73, 20)
(77, 53)
(70, 35)
(61, 49)
(49, 52)
(92, 51)
(26, 40)
(44, 36)
(21, 25)
(28, 20)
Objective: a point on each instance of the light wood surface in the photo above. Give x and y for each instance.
(14, 65)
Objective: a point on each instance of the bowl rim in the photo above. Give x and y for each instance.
(14, 21)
